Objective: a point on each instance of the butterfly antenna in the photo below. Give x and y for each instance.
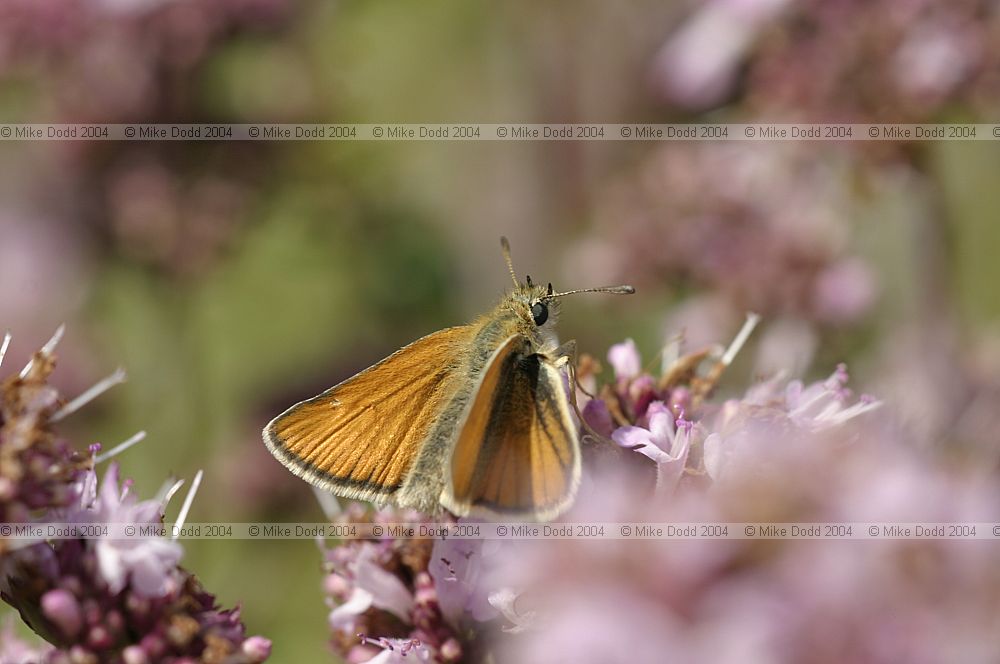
(505, 248)
(616, 290)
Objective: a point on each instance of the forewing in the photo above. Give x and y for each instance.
(359, 438)
(516, 453)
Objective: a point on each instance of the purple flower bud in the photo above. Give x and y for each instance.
(153, 645)
(92, 612)
(257, 648)
(61, 607)
(134, 655)
(624, 358)
(99, 638)
(337, 586)
(597, 416)
(137, 605)
(80, 655)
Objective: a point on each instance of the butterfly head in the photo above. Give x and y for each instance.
(536, 312)
(537, 306)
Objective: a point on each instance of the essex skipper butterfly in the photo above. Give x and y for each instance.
(475, 419)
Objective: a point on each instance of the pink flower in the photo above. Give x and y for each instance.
(16, 651)
(146, 563)
(458, 567)
(666, 441)
(698, 66)
(624, 358)
(379, 587)
(373, 586)
(845, 291)
(775, 414)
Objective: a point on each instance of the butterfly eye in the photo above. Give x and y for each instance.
(540, 313)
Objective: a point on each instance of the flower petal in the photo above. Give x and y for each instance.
(624, 358)
(503, 600)
(715, 455)
(597, 416)
(387, 590)
(632, 437)
(344, 616)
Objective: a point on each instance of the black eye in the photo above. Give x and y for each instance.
(540, 313)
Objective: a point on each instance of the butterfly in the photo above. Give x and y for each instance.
(474, 419)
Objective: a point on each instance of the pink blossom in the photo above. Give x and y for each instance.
(624, 358)
(666, 441)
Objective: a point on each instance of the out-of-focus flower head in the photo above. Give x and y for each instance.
(146, 564)
(762, 227)
(167, 218)
(107, 61)
(98, 598)
(668, 420)
(785, 452)
(853, 61)
(38, 471)
(384, 602)
(102, 598)
(637, 397)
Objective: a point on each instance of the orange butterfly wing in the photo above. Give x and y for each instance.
(359, 438)
(517, 452)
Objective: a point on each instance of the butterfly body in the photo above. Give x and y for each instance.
(511, 318)
(474, 419)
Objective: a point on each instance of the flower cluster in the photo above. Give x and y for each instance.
(97, 598)
(385, 604)
(114, 61)
(760, 227)
(663, 418)
(396, 598)
(853, 61)
(784, 452)
(37, 469)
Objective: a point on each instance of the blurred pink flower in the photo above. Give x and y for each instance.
(97, 598)
(384, 602)
(41, 261)
(458, 567)
(844, 291)
(788, 452)
(373, 586)
(698, 66)
(624, 359)
(146, 564)
(786, 345)
(764, 227)
(852, 61)
(107, 61)
(17, 651)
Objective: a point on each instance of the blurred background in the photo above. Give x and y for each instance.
(232, 279)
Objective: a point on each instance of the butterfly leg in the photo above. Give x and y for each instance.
(566, 355)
